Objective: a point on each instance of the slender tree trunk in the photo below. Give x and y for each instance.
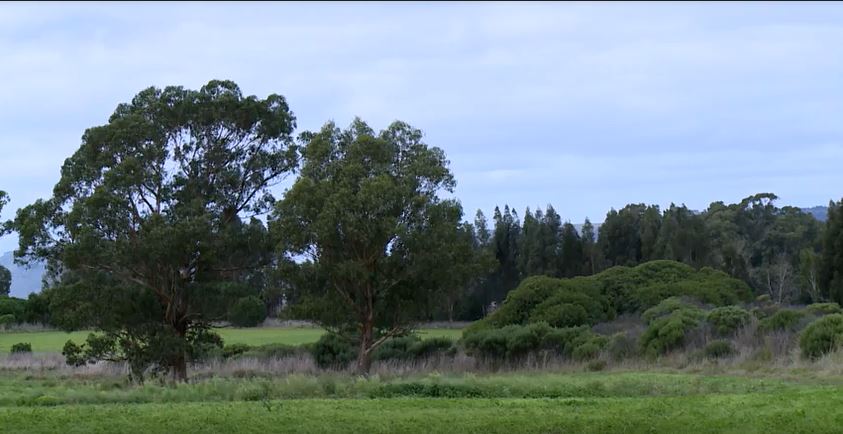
(364, 358)
(179, 367)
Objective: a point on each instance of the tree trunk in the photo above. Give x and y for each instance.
(451, 312)
(179, 367)
(364, 358)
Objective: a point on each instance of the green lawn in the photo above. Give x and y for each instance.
(54, 341)
(592, 403)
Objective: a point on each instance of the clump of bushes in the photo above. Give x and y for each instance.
(719, 349)
(670, 305)
(668, 332)
(823, 308)
(822, 336)
(593, 299)
(782, 320)
(247, 312)
(727, 320)
(622, 346)
(21, 347)
(333, 351)
(516, 341)
(646, 285)
(412, 347)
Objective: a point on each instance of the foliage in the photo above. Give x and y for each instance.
(247, 312)
(333, 351)
(668, 332)
(412, 347)
(149, 352)
(670, 305)
(822, 336)
(719, 349)
(21, 347)
(516, 341)
(727, 320)
(823, 308)
(366, 213)
(782, 320)
(152, 211)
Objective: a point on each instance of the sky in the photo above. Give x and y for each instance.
(585, 106)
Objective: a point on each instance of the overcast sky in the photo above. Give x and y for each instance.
(585, 106)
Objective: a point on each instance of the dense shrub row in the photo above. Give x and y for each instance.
(514, 342)
(590, 300)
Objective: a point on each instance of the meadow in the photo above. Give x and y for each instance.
(502, 403)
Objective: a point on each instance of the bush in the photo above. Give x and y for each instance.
(785, 319)
(234, 350)
(719, 349)
(561, 315)
(728, 319)
(272, 351)
(646, 285)
(823, 308)
(593, 299)
(22, 347)
(396, 348)
(822, 336)
(622, 346)
(412, 347)
(516, 341)
(668, 332)
(668, 306)
(333, 351)
(7, 319)
(431, 346)
(247, 312)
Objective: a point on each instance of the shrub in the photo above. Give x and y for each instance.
(515, 341)
(21, 347)
(622, 346)
(588, 350)
(822, 336)
(412, 347)
(668, 306)
(823, 308)
(234, 350)
(728, 319)
(785, 319)
(668, 332)
(247, 312)
(431, 346)
(272, 351)
(333, 351)
(561, 315)
(6, 319)
(719, 349)
(396, 348)
(596, 365)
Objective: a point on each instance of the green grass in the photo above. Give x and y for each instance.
(51, 389)
(53, 341)
(598, 403)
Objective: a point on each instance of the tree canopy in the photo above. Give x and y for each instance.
(149, 213)
(367, 215)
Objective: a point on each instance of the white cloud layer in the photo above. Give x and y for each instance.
(586, 106)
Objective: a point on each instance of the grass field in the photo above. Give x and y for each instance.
(53, 341)
(540, 403)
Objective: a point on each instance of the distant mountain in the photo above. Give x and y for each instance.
(24, 280)
(819, 212)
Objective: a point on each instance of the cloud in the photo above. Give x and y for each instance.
(589, 105)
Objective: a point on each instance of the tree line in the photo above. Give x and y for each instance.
(780, 251)
(163, 221)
